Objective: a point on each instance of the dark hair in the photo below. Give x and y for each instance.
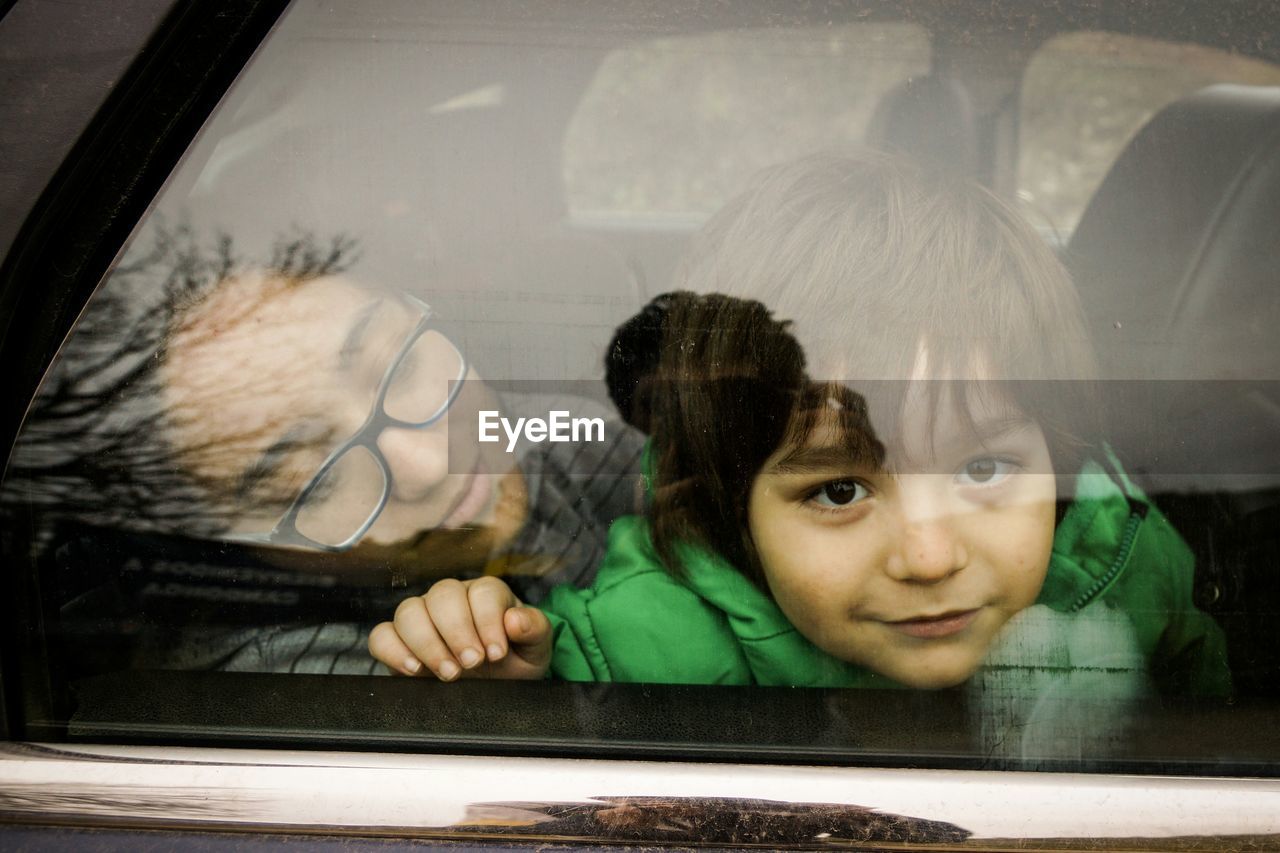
(727, 367)
(94, 446)
(731, 389)
(875, 262)
(632, 359)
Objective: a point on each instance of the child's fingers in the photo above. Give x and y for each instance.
(386, 646)
(414, 626)
(530, 633)
(456, 626)
(449, 608)
(490, 598)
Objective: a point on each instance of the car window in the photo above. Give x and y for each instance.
(696, 359)
(1085, 94)
(752, 98)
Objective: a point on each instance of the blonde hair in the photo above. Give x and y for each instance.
(827, 277)
(869, 255)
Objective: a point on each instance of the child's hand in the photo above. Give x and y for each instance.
(475, 628)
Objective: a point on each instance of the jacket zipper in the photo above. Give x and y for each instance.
(1117, 563)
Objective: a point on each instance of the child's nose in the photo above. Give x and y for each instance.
(418, 459)
(929, 549)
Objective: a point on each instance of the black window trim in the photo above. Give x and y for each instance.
(74, 233)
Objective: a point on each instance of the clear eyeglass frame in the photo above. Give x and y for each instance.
(286, 532)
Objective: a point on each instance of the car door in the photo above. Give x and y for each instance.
(186, 647)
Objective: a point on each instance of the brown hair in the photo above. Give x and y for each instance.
(731, 389)
(726, 368)
(874, 261)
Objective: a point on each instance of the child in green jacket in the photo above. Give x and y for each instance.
(909, 495)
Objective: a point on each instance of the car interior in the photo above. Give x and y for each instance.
(1186, 298)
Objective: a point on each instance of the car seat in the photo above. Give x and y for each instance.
(1178, 267)
(931, 120)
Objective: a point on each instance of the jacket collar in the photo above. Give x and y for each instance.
(1097, 538)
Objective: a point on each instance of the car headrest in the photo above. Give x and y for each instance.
(931, 120)
(1177, 257)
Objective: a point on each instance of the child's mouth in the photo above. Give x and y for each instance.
(934, 627)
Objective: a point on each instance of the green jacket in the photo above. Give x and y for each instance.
(1113, 552)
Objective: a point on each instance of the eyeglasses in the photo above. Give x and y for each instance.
(350, 489)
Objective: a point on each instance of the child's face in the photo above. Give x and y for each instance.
(911, 574)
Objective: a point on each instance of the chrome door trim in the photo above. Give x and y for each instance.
(473, 797)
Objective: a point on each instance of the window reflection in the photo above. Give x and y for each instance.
(941, 512)
(876, 458)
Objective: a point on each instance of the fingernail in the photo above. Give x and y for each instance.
(469, 658)
(522, 619)
(495, 652)
(412, 666)
(449, 670)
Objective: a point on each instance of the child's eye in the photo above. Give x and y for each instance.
(838, 493)
(986, 471)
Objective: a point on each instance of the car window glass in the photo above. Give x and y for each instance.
(1084, 95)
(750, 98)
(707, 339)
